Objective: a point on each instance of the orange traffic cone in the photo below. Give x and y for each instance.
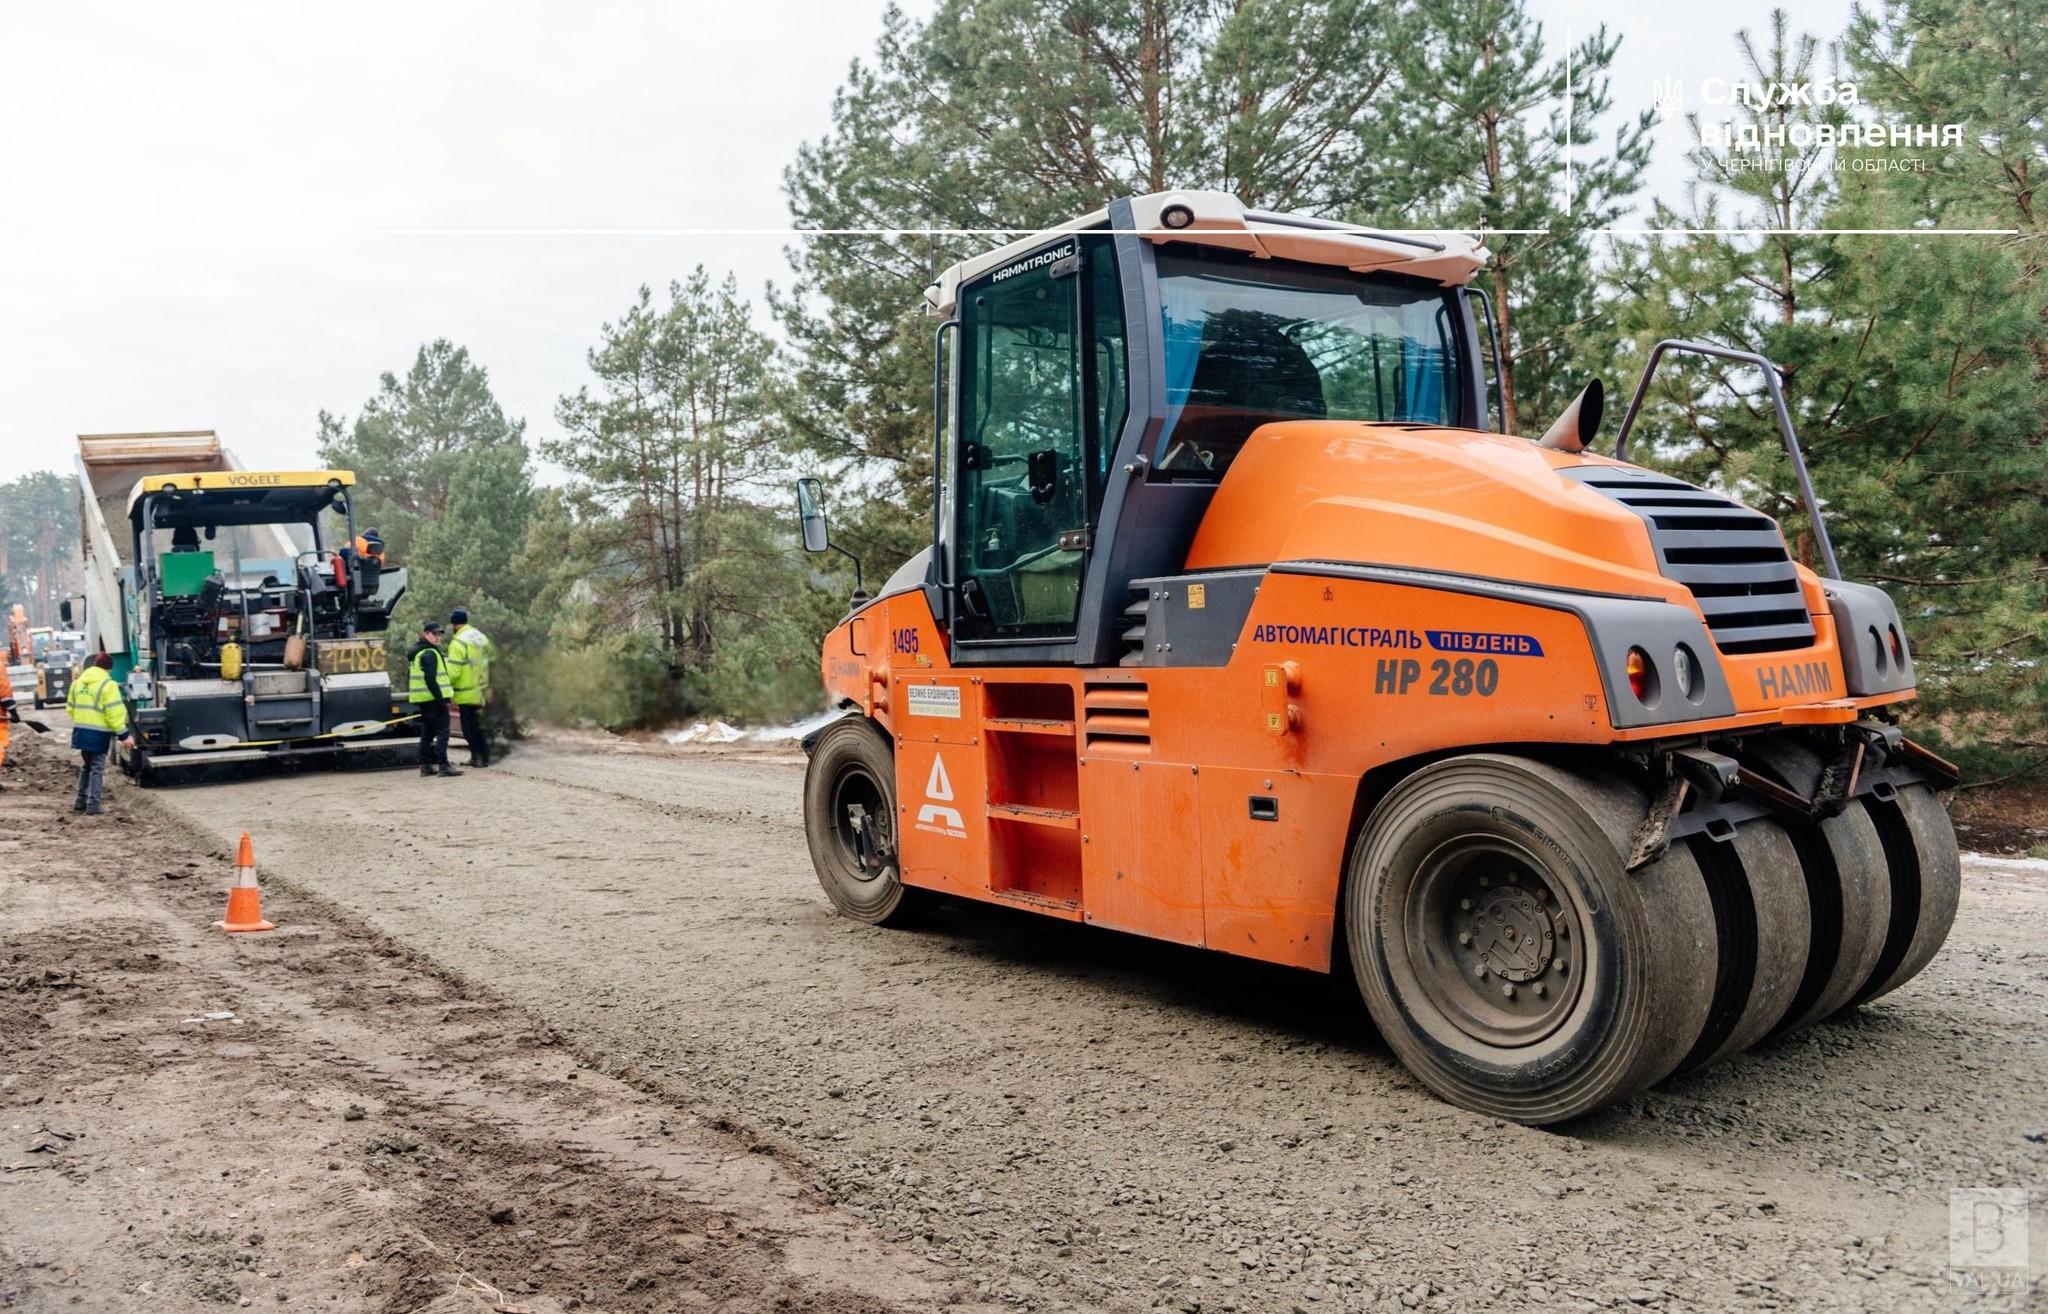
(245, 901)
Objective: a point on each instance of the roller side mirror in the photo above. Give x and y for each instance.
(810, 513)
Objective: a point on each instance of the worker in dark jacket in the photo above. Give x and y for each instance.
(429, 698)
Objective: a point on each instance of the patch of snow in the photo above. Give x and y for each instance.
(714, 732)
(719, 732)
(792, 733)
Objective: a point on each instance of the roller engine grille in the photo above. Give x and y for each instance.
(1732, 558)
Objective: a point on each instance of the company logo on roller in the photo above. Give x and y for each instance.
(1477, 642)
(931, 817)
(1483, 641)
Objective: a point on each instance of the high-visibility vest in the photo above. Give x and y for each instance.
(95, 702)
(421, 692)
(469, 666)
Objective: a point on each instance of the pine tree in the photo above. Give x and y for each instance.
(39, 564)
(464, 559)
(447, 480)
(666, 453)
(1010, 115)
(408, 441)
(1013, 115)
(1912, 362)
(1502, 113)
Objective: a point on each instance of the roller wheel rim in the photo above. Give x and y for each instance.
(1490, 940)
(860, 801)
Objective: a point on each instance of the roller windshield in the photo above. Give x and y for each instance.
(1251, 342)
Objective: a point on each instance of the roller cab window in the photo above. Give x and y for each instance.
(1250, 342)
(1043, 391)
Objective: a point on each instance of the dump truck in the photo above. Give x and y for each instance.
(1241, 627)
(242, 619)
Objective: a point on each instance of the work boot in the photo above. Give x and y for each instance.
(426, 768)
(78, 806)
(450, 771)
(92, 809)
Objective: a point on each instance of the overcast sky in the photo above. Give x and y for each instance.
(185, 187)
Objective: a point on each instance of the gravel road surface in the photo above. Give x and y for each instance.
(1067, 1118)
(313, 1117)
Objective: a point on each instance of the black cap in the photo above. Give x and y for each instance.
(431, 627)
(460, 616)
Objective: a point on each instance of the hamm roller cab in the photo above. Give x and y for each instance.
(1240, 629)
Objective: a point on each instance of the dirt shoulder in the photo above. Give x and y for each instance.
(2004, 819)
(315, 1117)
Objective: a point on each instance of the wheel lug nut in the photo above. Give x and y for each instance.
(1464, 905)
(1480, 971)
(1464, 937)
(1508, 990)
(1560, 967)
(1485, 881)
(1541, 990)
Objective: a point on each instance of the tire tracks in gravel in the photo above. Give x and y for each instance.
(457, 1108)
(1074, 1119)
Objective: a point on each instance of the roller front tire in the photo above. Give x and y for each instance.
(850, 815)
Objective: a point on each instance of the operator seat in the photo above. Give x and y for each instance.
(1249, 373)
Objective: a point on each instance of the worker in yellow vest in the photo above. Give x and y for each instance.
(429, 698)
(469, 677)
(99, 717)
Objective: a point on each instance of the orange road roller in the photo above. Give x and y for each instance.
(1240, 628)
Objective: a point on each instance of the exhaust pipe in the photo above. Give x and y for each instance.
(1573, 431)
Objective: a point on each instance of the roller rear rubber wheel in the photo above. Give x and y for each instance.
(1764, 927)
(1847, 886)
(1927, 881)
(850, 825)
(1503, 952)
